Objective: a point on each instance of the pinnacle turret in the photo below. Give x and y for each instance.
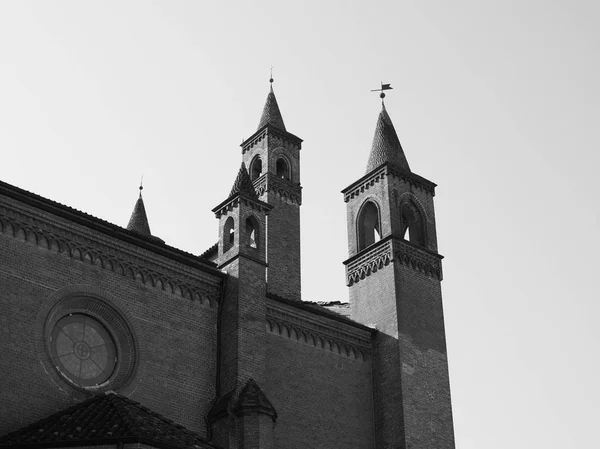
(139, 220)
(271, 114)
(243, 184)
(386, 145)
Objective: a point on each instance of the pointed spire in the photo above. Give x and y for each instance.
(243, 184)
(386, 145)
(139, 220)
(271, 113)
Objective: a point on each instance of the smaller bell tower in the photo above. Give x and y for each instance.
(272, 155)
(241, 415)
(394, 274)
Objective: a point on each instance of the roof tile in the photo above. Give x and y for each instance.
(109, 416)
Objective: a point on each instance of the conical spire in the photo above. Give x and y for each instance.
(243, 184)
(139, 220)
(271, 113)
(386, 145)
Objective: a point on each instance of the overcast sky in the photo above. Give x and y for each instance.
(495, 101)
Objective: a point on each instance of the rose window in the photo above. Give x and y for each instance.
(83, 350)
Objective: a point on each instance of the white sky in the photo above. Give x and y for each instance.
(496, 101)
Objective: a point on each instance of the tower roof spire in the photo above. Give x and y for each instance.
(243, 184)
(139, 220)
(271, 114)
(386, 145)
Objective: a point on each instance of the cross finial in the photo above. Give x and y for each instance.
(383, 87)
(271, 77)
(142, 184)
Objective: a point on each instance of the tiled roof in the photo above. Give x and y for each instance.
(211, 252)
(386, 145)
(139, 220)
(243, 184)
(102, 419)
(320, 309)
(271, 113)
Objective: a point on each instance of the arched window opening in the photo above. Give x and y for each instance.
(252, 232)
(369, 229)
(255, 168)
(412, 225)
(282, 169)
(228, 234)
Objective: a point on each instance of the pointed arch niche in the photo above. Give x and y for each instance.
(252, 234)
(369, 225)
(255, 168)
(228, 234)
(413, 223)
(282, 168)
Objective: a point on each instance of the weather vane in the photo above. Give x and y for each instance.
(383, 87)
(142, 183)
(271, 78)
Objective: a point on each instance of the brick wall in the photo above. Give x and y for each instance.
(424, 370)
(175, 335)
(283, 248)
(322, 394)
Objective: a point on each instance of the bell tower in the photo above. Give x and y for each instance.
(272, 155)
(394, 276)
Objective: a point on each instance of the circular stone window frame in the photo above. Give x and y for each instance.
(99, 305)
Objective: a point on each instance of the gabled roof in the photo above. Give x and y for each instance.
(243, 184)
(102, 419)
(139, 220)
(386, 145)
(271, 113)
(253, 400)
(250, 400)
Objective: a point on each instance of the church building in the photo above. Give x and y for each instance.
(112, 339)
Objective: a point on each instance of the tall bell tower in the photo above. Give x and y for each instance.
(394, 274)
(272, 155)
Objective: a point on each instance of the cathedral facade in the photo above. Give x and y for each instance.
(112, 338)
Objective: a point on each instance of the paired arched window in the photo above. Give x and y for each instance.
(369, 227)
(228, 234)
(282, 169)
(252, 232)
(255, 168)
(413, 227)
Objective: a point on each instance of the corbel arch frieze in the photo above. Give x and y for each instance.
(105, 259)
(317, 340)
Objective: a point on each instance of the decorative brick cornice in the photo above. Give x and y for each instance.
(378, 174)
(367, 262)
(417, 258)
(231, 203)
(101, 250)
(285, 189)
(277, 136)
(318, 331)
(388, 250)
